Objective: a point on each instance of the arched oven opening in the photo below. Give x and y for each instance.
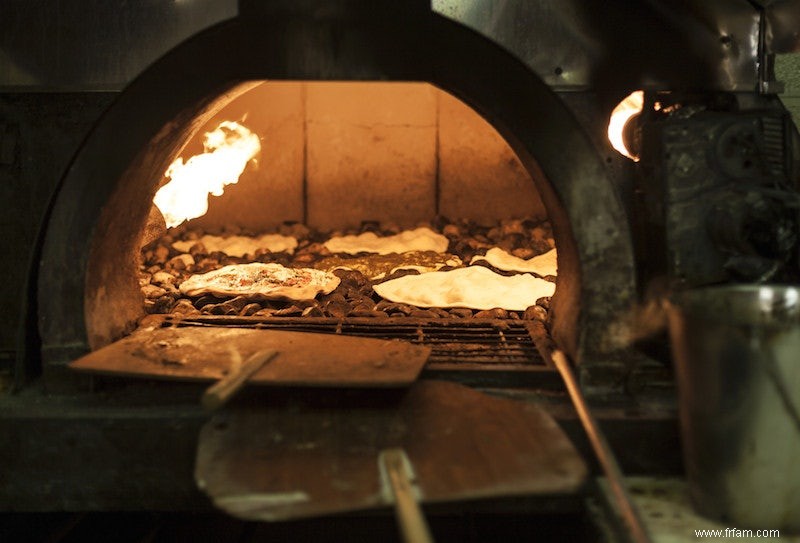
(102, 210)
(365, 183)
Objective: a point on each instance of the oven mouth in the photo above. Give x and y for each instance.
(104, 199)
(460, 154)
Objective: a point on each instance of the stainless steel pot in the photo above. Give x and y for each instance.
(737, 354)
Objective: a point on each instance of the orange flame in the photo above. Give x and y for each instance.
(228, 149)
(630, 106)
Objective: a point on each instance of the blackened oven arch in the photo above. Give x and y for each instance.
(87, 260)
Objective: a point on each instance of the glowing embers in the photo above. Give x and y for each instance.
(228, 149)
(627, 109)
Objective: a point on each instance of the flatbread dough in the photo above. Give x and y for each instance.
(270, 281)
(475, 287)
(420, 239)
(542, 265)
(241, 245)
(377, 266)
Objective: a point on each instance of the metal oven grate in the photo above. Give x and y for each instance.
(460, 342)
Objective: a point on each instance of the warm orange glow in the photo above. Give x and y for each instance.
(626, 109)
(228, 149)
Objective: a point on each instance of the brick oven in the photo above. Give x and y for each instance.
(484, 122)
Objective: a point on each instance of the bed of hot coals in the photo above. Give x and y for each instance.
(164, 268)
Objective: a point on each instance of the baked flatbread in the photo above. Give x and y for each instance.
(269, 281)
(420, 239)
(377, 266)
(241, 245)
(542, 265)
(475, 287)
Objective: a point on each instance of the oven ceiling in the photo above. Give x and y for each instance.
(571, 44)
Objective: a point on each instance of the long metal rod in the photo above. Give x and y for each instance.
(630, 515)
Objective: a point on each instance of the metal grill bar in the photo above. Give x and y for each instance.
(474, 341)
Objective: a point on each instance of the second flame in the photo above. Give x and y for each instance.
(625, 110)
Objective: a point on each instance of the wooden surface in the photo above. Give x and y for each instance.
(304, 359)
(295, 458)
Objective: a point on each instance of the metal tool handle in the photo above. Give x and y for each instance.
(221, 391)
(630, 515)
(413, 525)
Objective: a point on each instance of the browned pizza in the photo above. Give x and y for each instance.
(269, 281)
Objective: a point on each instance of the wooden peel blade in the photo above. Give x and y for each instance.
(217, 394)
(304, 454)
(306, 359)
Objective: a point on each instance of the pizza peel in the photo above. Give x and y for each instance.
(435, 444)
(300, 358)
